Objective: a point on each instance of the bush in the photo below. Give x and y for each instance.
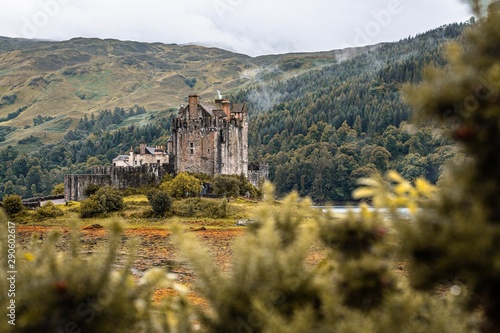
(91, 189)
(109, 198)
(12, 204)
(49, 210)
(105, 200)
(160, 201)
(273, 287)
(183, 185)
(226, 186)
(200, 207)
(58, 189)
(91, 208)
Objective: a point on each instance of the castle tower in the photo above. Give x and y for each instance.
(211, 138)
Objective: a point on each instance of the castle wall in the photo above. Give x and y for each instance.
(74, 185)
(118, 177)
(257, 172)
(194, 147)
(234, 153)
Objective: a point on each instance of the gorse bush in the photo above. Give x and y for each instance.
(67, 292)
(456, 237)
(12, 204)
(272, 286)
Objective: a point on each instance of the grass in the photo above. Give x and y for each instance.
(136, 207)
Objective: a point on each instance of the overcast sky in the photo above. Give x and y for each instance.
(253, 27)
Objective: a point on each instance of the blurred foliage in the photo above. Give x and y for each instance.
(272, 287)
(456, 237)
(68, 292)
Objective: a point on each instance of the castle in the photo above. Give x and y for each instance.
(211, 139)
(206, 138)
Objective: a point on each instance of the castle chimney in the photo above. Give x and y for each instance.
(193, 106)
(226, 107)
(142, 148)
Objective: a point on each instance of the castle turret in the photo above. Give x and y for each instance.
(142, 148)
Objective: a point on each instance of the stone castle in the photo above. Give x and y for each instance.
(206, 138)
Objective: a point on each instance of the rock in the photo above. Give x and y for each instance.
(93, 226)
(244, 222)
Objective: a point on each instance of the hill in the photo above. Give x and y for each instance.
(66, 80)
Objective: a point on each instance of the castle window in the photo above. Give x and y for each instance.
(191, 148)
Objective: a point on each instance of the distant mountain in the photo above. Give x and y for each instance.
(69, 79)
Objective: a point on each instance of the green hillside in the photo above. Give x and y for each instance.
(321, 120)
(69, 79)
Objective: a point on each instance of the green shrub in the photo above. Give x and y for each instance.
(233, 186)
(160, 201)
(105, 200)
(183, 185)
(12, 204)
(109, 198)
(58, 189)
(200, 207)
(49, 210)
(91, 189)
(91, 208)
(226, 186)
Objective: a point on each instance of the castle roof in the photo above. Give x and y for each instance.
(239, 108)
(208, 108)
(121, 158)
(220, 113)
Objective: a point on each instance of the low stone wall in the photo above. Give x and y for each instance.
(74, 185)
(36, 202)
(118, 177)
